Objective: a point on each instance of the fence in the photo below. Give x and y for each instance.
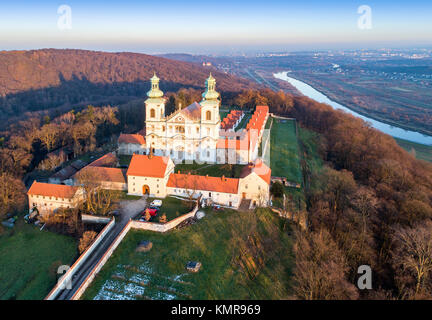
(157, 227)
(95, 219)
(61, 284)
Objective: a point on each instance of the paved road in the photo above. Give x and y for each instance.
(128, 209)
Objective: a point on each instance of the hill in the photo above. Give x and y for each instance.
(52, 78)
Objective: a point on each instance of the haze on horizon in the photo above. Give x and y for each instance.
(222, 26)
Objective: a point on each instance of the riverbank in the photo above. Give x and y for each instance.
(384, 126)
(325, 91)
(420, 151)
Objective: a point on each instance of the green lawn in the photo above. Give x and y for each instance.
(309, 166)
(213, 170)
(124, 159)
(29, 259)
(284, 151)
(172, 207)
(243, 256)
(420, 151)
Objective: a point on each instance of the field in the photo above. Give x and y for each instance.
(29, 259)
(420, 151)
(172, 207)
(243, 256)
(213, 170)
(284, 151)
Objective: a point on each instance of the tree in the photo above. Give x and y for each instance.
(12, 194)
(412, 258)
(277, 189)
(163, 218)
(86, 240)
(97, 199)
(320, 268)
(48, 135)
(147, 215)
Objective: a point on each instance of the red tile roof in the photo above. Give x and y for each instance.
(260, 168)
(104, 174)
(206, 183)
(105, 161)
(131, 138)
(52, 190)
(148, 166)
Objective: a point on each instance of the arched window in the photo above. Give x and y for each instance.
(208, 115)
(152, 113)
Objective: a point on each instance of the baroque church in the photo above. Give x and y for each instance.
(188, 134)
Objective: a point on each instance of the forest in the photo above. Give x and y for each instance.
(370, 205)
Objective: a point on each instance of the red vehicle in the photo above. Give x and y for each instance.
(152, 212)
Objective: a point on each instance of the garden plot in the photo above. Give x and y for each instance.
(141, 282)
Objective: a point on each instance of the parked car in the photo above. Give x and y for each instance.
(152, 212)
(156, 203)
(217, 207)
(156, 208)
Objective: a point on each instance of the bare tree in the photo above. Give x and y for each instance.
(12, 193)
(320, 268)
(412, 258)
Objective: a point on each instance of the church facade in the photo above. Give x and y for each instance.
(188, 134)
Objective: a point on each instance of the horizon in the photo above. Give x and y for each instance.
(220, 28)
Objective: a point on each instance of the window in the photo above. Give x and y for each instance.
(197, 129)
(152, 113)
(209, 194)
(208, 115)
(246, 187)
(208, 153)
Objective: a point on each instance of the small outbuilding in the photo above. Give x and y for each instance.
(144, 246)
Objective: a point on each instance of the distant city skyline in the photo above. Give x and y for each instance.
(204, 27)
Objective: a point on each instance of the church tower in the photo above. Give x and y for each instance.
(155, 117)
(155, 104)
(210, 103)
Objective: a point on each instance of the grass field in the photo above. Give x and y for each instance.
(232, 266)
(124, 159)
(420, 151)
(213, 170)
(284, 151)
(29, 259)
(172, 207)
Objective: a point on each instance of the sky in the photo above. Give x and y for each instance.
(217, 26)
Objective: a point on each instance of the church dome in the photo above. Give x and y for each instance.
(154, 92)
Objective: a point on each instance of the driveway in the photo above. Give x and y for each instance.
(128, 209)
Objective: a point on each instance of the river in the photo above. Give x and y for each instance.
(396, 132)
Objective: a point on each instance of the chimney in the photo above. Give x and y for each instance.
(206, 175)
(223, 177)
(178, 172)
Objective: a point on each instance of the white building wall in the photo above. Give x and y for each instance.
(254, 188)
(46, 204)
(225, 199)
